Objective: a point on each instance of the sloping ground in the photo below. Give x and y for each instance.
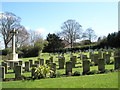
(109, 80)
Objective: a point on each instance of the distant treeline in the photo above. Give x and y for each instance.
(111, 41)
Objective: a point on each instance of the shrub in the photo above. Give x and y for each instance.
(6, 51)
(76, 73)
(43, 72)
(29, 51)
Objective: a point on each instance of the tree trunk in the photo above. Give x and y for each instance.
(6, 45)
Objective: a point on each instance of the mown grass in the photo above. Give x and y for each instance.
(109, 80)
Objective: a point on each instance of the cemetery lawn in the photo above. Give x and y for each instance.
(106, 80)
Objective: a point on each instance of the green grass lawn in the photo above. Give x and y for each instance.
(109, 80)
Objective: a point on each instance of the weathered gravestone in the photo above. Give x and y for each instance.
(117, 62)
(94, 58)
(83, 57)
(99, 54)
(61, 62)
(53, 67)
(6, 66)
(15, 64)
(68, 67)
(51, 59)
(18, 71)
(37, 62)
(86, 66)
(11, 65)
(47, 62)
(107, 58)
(20, 62)
(27, 66)
(109, 52)
(90, 53)
(101, 65)
(2, 72)
(104, 55)
(73, 59)
(34, 66)
(31, 62)
(41, 61)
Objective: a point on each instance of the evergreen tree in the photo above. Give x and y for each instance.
(54, 42)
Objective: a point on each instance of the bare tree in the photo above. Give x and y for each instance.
(71, 31)
(34, 36)
(89, 34)
(22, 37)
(9, 21)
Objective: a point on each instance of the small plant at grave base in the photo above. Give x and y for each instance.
(112, 70)
(76, 73)
(23, 77)
(118, 70)
(69, 74)
(107, 71)
(58, 74)
(43, 72)
(93, 72)
(92, 64)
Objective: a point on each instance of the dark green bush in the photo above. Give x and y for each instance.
(76, 73)
(29, 51)
(6, 51)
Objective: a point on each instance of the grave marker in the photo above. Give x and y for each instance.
(27, 66)
(20, 62)
(107, 58)
(2, 72)
(117, 62)
(11, 65)
(68, 67)
(37, 62)
(18, 71)
(73, 60)
(31, 62)
(15, 64)
(41, 61)
(101, 65)
(61, 63)
(86, 66)
(53, 67)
